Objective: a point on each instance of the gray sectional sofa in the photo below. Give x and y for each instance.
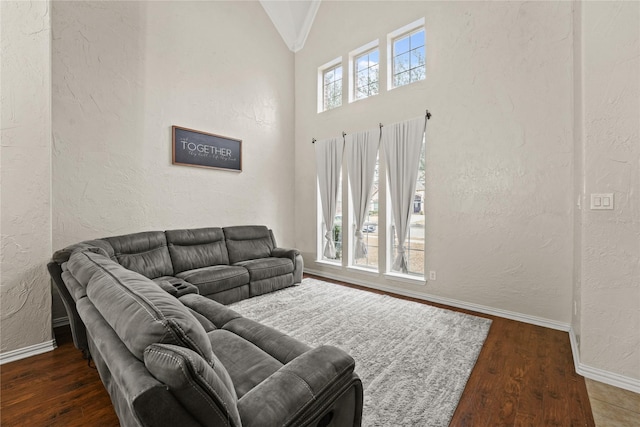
(224, 264)
(170, 355)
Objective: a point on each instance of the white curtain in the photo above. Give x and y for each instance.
(361, 150)
(328, 166)
(402, 144)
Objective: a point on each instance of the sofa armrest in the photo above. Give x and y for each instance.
(285, 253)
(78, 330)
(302, 388)
(177, 289)
(295, 257)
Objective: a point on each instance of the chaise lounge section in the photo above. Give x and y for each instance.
(191, 361)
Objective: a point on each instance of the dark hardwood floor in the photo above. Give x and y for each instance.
(524, 376)
(57, 388)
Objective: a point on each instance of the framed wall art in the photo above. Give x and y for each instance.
(206, 150)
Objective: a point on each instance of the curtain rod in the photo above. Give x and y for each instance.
(427, 115)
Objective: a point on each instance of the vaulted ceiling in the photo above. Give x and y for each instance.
(292, 18)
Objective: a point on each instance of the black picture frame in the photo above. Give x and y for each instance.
(205, 150)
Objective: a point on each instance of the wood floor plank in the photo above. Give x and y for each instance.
(524, 376)
(57, 388)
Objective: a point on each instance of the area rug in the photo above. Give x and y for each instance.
(413, 359)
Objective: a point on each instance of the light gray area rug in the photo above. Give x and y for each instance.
(414, 360)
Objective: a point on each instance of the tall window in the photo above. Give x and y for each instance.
(332, 87)
(407, 54)
(337, 222)
(329, 155)
(337, 227)
(366, 74)
(370, 228)
(414, 245)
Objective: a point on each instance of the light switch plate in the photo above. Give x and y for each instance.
(602, 201)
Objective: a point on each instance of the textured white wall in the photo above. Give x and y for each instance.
(123, 73)
(25, 297)
(500, 144)
(610, 294)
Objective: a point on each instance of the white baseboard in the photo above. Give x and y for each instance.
(60, 321)
(601, 375)
(23, 353)
(539, 321)
(595, 374)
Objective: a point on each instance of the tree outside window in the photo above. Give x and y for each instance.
(367, 74)
(409, 58)
(332, 87)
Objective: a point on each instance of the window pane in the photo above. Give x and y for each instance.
(337, 222)
(401, 46)
(337, 73)
(396, 80)
(366, 74)
(401, 63)
(374, 88)
(328, 76)
(417, 74)
(332, 89)
(417, 57)
(409, 58)
(362, 63)
(374, 74)
(362, 79)
(417, 39)
(374, 57)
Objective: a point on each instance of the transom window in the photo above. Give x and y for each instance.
(332, 87)
(367, 74)
(408, 58)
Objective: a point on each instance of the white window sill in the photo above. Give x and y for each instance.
(406, 278)
(368, 271)
(334, 264)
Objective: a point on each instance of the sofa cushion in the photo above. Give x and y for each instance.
(247, 364)
(265, 286)
(266, 268)
(278, 345)
(217, 278)
(197, 248)
(248, 242)
(206, 391)
(145, 253)
(231, 295)
(137, 309)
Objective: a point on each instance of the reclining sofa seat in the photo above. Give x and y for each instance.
(224, 264)
(194, 362)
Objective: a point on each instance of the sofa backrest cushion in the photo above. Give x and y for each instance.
(137, 309)
(145, 253)
(247, 242)
(197, 248)
(205, 390)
